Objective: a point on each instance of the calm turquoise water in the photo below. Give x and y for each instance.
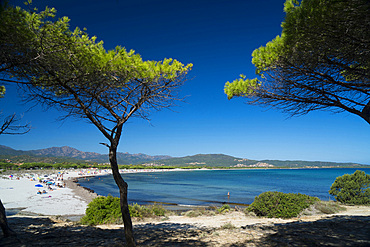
(207, 187)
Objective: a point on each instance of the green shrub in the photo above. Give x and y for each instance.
(224, 209)
(136, 210)
(105, 210)
(158, 210)
(102, 210)
(352, 189)
(280, 205)
(139, 211)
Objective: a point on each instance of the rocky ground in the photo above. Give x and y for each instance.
(351, 228)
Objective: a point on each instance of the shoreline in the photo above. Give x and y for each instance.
(36, 224)
(19, 196)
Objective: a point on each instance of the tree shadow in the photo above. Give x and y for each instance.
(334, 231)
(170, 234)
(42, 231)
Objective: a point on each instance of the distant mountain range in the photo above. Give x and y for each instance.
(68, 154)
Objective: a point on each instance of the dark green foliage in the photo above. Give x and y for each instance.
(352, 189)
(103, 210)
(6, 165)
(280, 205)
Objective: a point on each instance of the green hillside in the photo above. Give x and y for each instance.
(221, 160)
(70, 155)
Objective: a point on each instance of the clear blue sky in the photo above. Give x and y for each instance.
(218, 37)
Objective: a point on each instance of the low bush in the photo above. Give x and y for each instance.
(102, 210)
(105, 210)
(140, 211)
(224, 209)
(280, 205)
(352, 188)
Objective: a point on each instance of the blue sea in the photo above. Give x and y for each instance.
(211, 187)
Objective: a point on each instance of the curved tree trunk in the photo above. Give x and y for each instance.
(122, 185)
(4, 222)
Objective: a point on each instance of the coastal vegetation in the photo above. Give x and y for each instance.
(208, 211)
(275, 204)
(352, 188)
(36, 165)
(104, 210)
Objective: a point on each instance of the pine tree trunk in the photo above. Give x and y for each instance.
(4, 222)
(122, 185)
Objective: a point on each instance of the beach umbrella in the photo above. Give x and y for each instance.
(39, 185)
(49, 183)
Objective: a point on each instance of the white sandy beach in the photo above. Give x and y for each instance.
(22, 194)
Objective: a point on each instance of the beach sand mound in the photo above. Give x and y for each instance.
(334, 230)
